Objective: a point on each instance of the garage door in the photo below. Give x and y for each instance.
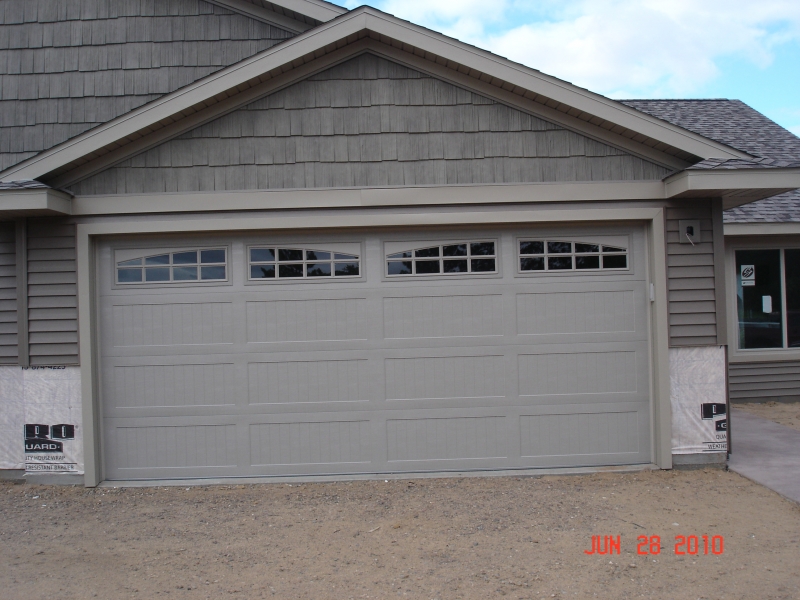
(385, 352)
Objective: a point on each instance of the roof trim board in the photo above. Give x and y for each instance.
(180, 202)
(317, 10)
(748, 229)
(735, 187)
(34, 202)
(259, 13)
(394, 32)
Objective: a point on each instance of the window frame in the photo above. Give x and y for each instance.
(757, 240)
(145, 252)
(304, 246)
(414, 245)
(590, 239)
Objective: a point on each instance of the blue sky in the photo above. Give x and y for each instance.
(744, 49)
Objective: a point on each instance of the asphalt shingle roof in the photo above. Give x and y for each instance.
(25, 184)
(733, 123)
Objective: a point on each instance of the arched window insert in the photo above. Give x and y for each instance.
(548, 255)
(301, 263)
(446, 259)
(207, 264)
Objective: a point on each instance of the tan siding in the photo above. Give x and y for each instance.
(52, 293)
(764, 381)
(691, 282)
(369, 122)
(8, 295)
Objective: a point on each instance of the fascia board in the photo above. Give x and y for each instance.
(18, 203)
(761, 229)
(314, 9)
(259, 13)
(731, 181)
(351, 24)
(546, 85)
(367, 197)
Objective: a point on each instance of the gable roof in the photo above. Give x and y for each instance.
(466, 65)
(730, 122)
(68, 67)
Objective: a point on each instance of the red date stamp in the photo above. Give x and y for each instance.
(685, 545)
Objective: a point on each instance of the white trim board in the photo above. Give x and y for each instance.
(346, 28)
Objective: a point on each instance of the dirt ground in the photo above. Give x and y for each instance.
(785, 413)
(481, 538)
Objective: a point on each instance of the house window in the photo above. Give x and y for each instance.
(557, 255)
(768, 298)
(446, 259)
(204, 264)
(301, 263)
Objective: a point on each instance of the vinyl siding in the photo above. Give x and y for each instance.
(8, 295)
(764, 381)
(52, 293)
(69, 65)
(369, 122)
(691, 277)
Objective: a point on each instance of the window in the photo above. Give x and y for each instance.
(446, 259)
(207, 264)
(768, 298)
(552, 255)
(301, 263)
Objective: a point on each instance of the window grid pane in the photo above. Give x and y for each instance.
(453, 258)
(181, 266)
(301, 263)
(557, 255)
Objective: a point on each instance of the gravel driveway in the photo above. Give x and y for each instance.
(428, 538)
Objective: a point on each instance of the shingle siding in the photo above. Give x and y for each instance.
(764, 381)
(69, 65)
(369, 122)
(52, 293)
(691, 286)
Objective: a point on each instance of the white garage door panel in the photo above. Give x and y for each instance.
(374, 375)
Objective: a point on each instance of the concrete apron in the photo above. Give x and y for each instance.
(766, 452)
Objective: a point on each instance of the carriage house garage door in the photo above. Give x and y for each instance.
(384, 352)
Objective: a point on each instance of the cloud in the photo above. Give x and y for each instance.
(620, 48)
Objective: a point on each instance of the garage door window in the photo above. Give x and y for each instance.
(444, 259)
(301, 263)
(558, 255)
(202, 264)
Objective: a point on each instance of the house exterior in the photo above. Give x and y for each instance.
(764, 357)
(248, 239)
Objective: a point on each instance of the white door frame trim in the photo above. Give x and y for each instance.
(654, 218)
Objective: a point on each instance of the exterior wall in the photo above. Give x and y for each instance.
(42, 396)
(759, 375)
(692, 277)
(765, 381)
(52, 293)
(369, 122)
(69, 65)
(8, 294)
(697, 377)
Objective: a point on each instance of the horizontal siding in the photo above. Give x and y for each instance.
(369, 122)
(764, 381)
(69, 65)
(52, 293)
(8, 295)
(691, 290)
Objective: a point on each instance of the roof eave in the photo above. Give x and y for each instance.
(735, 187)
(34, 203)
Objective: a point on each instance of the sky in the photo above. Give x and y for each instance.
(740, 49)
